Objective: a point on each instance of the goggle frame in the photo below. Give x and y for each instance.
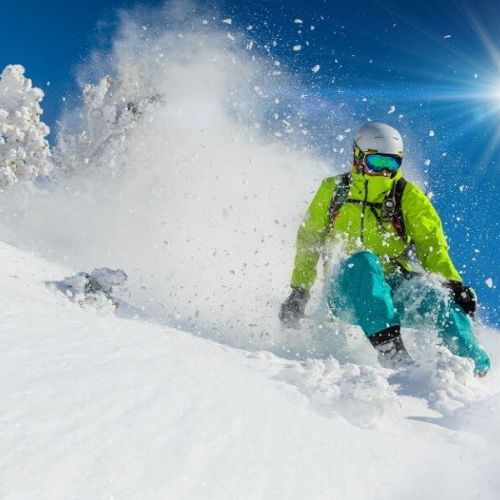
(361, 157)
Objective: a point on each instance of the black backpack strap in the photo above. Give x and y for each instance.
(398, 220)
(339, 197)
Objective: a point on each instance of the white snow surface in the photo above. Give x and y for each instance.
(100, 405)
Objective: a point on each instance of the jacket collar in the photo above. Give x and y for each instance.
(377, 186)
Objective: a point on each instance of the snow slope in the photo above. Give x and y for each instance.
(99, 406)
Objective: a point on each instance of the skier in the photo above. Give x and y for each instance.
(379, 219)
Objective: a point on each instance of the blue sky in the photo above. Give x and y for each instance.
(435, 61)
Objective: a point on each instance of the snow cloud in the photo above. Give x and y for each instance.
(170, 170)
(189, 164)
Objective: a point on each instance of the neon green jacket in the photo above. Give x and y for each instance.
(357, 227)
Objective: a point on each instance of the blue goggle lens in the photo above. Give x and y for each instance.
(379, 162)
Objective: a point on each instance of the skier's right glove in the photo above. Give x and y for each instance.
(464, 296)
(293, 307)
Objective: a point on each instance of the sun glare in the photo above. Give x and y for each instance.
(497, 93)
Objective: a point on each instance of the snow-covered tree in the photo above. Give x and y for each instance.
(24, 151)
(110, 109)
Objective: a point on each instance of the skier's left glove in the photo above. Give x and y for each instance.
(464, 296)
(293, 307)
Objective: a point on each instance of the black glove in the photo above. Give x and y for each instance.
(293, 307)
(464, 296)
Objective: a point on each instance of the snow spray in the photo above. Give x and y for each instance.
(189, 165)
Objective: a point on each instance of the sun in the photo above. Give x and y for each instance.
(488, 93)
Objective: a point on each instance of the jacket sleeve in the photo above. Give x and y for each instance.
(424, 227)
(311, 236)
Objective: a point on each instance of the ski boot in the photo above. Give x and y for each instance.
(391, 349)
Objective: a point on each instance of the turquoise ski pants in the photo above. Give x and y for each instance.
(361, 294)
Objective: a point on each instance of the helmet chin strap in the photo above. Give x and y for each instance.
(357, 166)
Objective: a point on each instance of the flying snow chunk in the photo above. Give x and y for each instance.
(298, 21)
(427, 163)
(227, 21)
(489, 282)
(431, 133)
(297, 47)
(95, 288)
(391, 110)
(340, 137)
(315, 68)
(447, 36)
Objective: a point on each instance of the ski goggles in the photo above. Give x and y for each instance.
(377, 162)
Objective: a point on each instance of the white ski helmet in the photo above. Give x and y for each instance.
(379, 138)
